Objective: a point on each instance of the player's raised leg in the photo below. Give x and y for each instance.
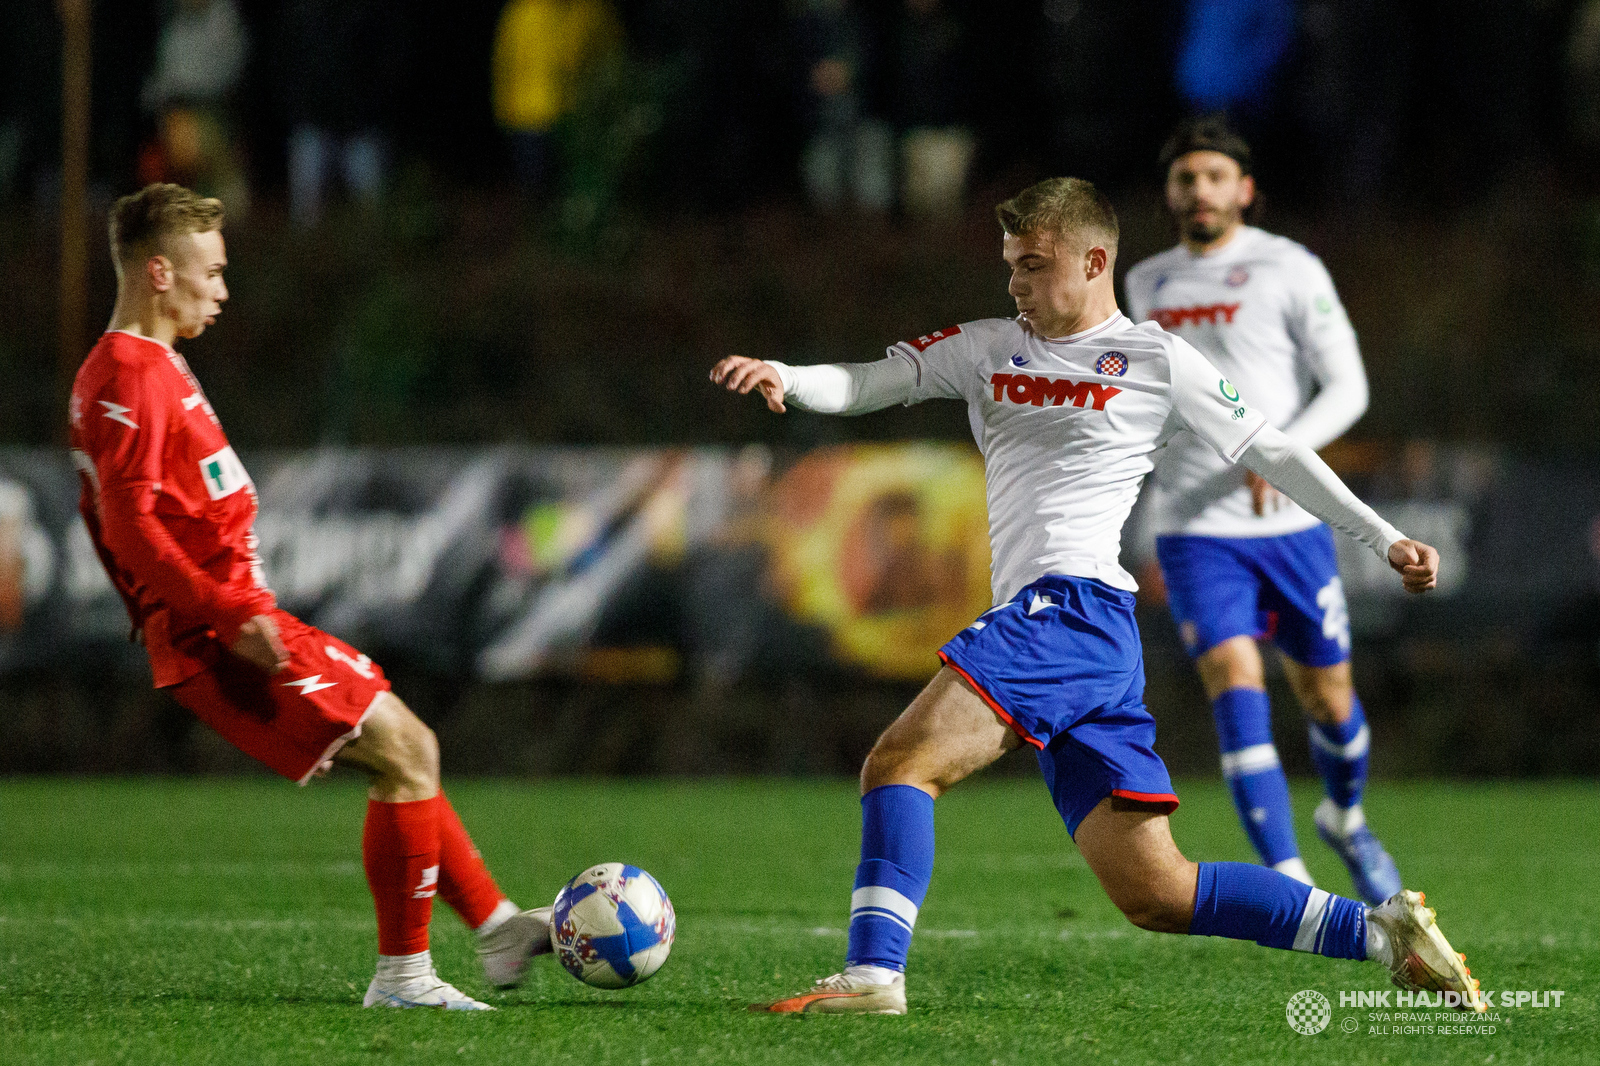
(1130, 849)
(1340, 741)
(947, 733)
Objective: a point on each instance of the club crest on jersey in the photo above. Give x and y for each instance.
(922, 344)
(1112, 365)
(223, 474)
(1237, 277)
(1051, 392)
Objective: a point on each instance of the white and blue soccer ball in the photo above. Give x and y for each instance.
(613, 925)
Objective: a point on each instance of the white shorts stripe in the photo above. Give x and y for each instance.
(1310, 932)
(1354, 750)
(1251, 760)
(879, 898)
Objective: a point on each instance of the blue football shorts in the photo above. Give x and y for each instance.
(1062, 665)
(1286, 588)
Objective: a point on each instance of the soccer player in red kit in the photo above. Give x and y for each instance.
(170, 509)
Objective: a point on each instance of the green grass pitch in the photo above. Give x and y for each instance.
(226, 921)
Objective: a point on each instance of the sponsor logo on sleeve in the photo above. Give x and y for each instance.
(922, 344)
(1229, 393)
(1324, 304)
(223, 474)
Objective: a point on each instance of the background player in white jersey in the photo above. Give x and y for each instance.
(1067, 402)
(1240, 561)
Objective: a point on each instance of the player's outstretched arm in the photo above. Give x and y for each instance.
(829, 388)
(1300, 474)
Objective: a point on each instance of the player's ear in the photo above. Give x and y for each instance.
(158, 268)
(1094, 262)
(1247, 191)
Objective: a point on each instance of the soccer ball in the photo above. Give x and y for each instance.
(613, 925)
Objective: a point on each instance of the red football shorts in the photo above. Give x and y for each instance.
(296, 719)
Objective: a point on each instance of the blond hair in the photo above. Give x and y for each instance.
(141, 221)
(1067, 207)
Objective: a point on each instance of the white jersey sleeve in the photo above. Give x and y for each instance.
(1295, 470)
(1208, 404)
(847, 388)
(942, 365)
(1327, 345)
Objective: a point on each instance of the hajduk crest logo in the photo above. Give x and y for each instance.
(1112, 364)
(1237, 277)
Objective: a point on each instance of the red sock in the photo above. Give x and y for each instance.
(464, 880)
(400, 850)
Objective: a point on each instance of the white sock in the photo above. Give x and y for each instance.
(873, 975)
(1295, 868)
(392, 969)
(1340, 820)
(497, 917)
(1378, 943)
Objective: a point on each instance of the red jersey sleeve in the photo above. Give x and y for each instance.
(124, 429)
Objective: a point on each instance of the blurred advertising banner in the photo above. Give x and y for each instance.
(642, 565)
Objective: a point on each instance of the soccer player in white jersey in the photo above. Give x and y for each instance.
(1067, 402)
(1240, 561)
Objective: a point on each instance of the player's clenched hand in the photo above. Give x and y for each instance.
(259, 643)
(740, 374)
(1416, 563)
(1261, 493)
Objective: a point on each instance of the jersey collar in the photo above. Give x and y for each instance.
(1117, 318)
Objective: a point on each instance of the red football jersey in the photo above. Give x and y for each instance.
(167, 502)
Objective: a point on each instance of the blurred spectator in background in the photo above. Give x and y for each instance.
(14, 512)
(1351, 93)
(199, 60)
(931, 88)
(339, 69)
(1231, 51)
(542, 50)
(1583, 73)
(849, 150)
(29, 52)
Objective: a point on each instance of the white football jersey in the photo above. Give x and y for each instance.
(1264, 311)
(1067, 427)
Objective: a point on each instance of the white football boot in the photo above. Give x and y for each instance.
(506, 950)
(425, 991)
(1421, 959)
(844, 993)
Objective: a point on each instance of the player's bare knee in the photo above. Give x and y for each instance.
(1155, 906)
(1235, 663)
(1326, 695)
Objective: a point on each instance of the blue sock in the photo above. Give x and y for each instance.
(1255, 777)
(1340, 752)
(1245, 902)
(896, 866)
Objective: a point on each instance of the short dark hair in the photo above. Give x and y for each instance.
(140, 220)
(1206, 133)
(1063, 206)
